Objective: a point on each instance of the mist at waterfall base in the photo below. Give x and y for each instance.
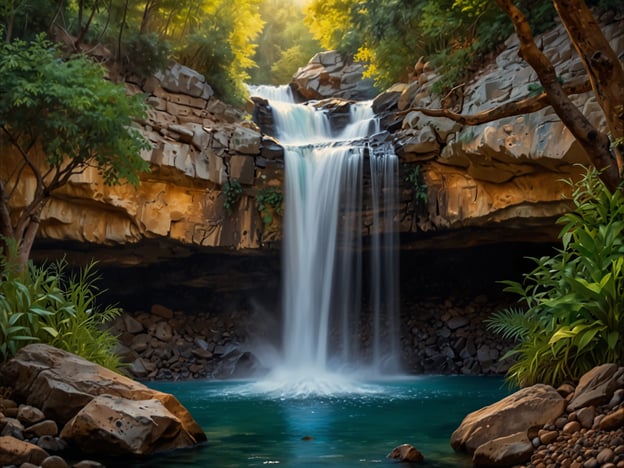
(331, 398)
(330, 341)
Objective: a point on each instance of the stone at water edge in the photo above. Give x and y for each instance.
(61, 384)
(529, 407)
(118, 426)
(54, 461)
(406, 453)
(504, 451)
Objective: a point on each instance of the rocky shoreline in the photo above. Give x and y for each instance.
(574, 426)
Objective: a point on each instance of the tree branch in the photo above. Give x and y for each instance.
(522, 106)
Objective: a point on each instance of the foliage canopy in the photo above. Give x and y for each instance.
(284, 44)
(67, 109)
(213, 36)
(391, 35)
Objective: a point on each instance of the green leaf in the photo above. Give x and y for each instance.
(585, 337)
(40, 311)
(53, 332)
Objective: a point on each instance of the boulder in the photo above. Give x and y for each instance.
(329, 74)
(245, 141)
(118, 426)
(406, 453)
(28, 415)
(388, 100)
(88, 464)
(15, 452)
(178, 78)
(504, 451)
(596, 387)
(422, 141)
(54, 461)
(61, 384)
(585, 416)
(529, 407)
(11, 427)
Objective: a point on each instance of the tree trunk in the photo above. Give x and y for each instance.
(21, 235)
(605, 71)
(595, 143)
(26, 244)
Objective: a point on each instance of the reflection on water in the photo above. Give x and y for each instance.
(247, 427)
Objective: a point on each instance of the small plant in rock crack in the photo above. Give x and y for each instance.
(233, 191)
(419, 188)
(270, 202)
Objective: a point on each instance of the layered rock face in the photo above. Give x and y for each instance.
(198, 145)
(505, 173)
(460, 186)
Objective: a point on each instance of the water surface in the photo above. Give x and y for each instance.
(248, 428)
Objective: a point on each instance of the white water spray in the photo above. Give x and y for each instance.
(323, 250)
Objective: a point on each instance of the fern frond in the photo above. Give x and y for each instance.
(510, 323)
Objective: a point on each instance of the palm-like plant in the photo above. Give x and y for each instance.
(574, 300)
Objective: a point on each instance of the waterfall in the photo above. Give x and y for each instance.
(324, 290)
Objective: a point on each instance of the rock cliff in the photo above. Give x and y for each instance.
(490, 183)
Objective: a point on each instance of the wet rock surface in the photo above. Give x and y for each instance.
(183, 346)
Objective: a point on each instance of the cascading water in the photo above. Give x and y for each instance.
(323, 286)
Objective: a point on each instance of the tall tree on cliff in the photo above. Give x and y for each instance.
(58, 117)
(605, 78)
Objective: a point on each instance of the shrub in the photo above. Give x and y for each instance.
(419, 188)
(145, 54)
(270, 202)
(574, 300)
(47, 304)
(233, 191)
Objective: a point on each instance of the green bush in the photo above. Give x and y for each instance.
(144, 54)
(270, 202)
(419, 189)
(47, 304)
(233, 191)
(573, 316)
